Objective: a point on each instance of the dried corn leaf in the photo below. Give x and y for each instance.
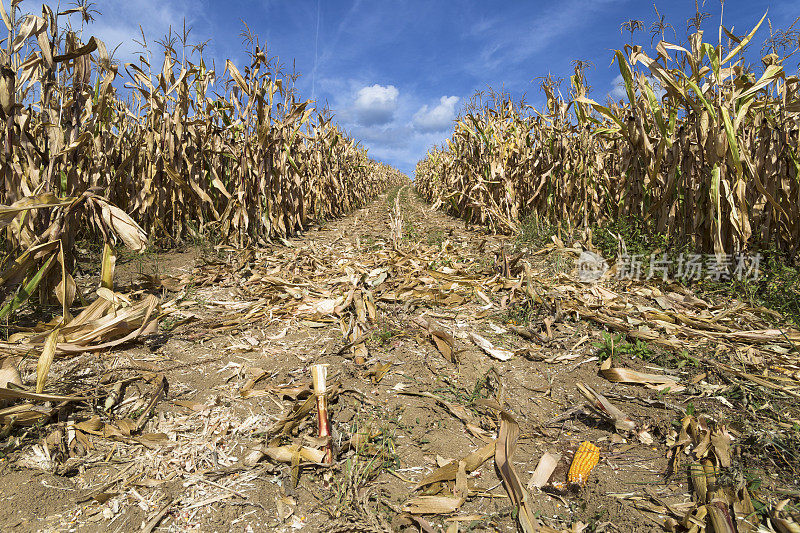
(433, 505)
(651, 381)
(601, 404)
(443, 341)
(498, 353)
(504, 452)
(449, 471)
(45, 360)
(40, 201)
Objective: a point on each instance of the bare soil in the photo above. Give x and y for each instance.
(186, 469)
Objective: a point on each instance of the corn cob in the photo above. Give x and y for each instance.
(586, 458)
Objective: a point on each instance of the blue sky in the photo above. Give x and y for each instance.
(395, 73)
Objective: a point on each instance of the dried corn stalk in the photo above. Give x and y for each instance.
(182, 152)
(712, 164)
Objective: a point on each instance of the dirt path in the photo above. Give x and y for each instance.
(410, 391)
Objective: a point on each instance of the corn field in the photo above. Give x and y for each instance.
(181, 152)
(713, 164)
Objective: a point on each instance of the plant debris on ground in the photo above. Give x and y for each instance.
(441, 424)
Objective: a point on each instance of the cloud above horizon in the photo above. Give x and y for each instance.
(438, 118)
(375, 105)
(618, 92)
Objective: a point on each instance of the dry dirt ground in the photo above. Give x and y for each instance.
(222, 387)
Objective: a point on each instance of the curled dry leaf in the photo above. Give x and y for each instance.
(433, 505)
(504, 453)
(443, 341)
(14, 394)
(442, 504)
(98, 327)
(9, 376)
(498, 353)
(651, 381)
(39, 201)
(449, 471)
(377, 372)
(122, 225)
(600, 404)
(45, 360)
(290, 454)
(286, 454)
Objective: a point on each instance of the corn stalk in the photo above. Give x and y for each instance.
(712, 163)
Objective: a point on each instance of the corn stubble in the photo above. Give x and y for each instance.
(182, 152)
(713, 164)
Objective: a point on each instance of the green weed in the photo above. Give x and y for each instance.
(617, 345)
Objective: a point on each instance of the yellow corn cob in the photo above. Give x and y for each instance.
(585, 460)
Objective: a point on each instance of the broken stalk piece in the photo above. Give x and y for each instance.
(319, 374)
(601, 405)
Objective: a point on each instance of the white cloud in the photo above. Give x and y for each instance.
(438, 118)
(375, 105)
(618, 90)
